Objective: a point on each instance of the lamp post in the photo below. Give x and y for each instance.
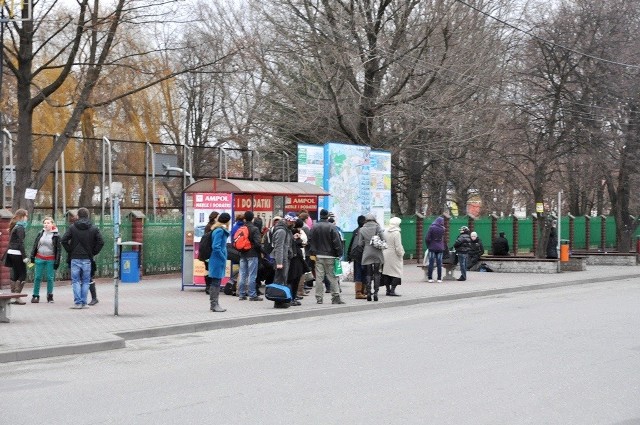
(116, 193)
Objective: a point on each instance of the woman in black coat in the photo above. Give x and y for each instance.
(296, 265)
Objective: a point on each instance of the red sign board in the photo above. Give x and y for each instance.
(261, 203)
(301, 202)
(211, 201)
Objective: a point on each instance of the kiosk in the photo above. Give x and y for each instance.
(233, 196)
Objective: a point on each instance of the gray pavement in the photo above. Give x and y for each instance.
(156, 306)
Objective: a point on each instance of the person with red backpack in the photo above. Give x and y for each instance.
(246, 240)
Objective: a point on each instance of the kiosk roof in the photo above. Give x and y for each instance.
(213, 185)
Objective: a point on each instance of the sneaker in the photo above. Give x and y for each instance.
(339, 301)
(93, 301)
(430, 280)
(255, 299)
(76, 306)
(319, 300)
(461, 279)
(439, 280)
(84, 306)
(295, 303)
(35, 299)
(242, 298)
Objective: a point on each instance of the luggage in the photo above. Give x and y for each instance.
(281, 294)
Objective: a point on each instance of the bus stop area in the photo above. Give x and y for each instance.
(154, 308)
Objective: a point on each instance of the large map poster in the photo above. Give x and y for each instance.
(346, 174)
(380, 172)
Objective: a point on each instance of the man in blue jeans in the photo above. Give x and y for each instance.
(462, 246)
(249, 262)
(82, 241)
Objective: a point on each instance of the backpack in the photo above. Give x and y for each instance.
(204, 249)
(241, 240)
(267, 241)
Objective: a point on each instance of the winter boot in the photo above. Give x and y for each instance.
(388, 289)
(19, 286)
(49, 298)
(336, 300)
(392, 293)
(214, 292)
(94, 296)
(207, 286)
(360, 292)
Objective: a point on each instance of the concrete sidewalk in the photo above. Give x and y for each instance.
(156, 306)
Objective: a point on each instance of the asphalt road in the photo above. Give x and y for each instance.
(560, 356)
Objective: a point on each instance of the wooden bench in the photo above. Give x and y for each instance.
(5, 300)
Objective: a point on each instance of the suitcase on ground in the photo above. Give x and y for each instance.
(281, 294)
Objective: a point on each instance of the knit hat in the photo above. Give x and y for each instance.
(324, 213)
(224, 218)
(291, 217)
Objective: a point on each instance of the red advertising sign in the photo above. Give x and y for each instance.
(212, 201)
(301, 202)
(261, 203)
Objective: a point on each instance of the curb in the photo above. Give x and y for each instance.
(120, 338)
(62, 350)
(295, 315)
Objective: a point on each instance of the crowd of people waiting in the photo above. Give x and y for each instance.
(302, 254)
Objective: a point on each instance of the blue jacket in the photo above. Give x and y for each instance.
(218, 259)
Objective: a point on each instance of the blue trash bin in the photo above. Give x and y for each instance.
(129, 270)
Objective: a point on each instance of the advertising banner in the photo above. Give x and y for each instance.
(203, 205)
(301, 202)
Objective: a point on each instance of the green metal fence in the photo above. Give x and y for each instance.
(162, 248)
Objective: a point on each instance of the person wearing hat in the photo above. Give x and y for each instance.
(476, 250)
(326, 246)
(393, 257)
(218, 259)
(282, 252)
(500, 245)
(462, 246)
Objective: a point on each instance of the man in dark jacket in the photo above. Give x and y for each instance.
(282, 248)
(462, 246)
(500, 245)
(82, 241)
(326, 245)
(249, 262)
